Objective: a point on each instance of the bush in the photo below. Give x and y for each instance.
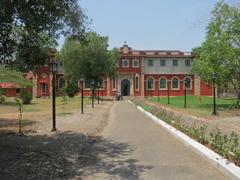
(72, 89)
(2, 99)
(64, 93)
(26, 96)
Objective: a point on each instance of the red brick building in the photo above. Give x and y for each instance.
(139, 73)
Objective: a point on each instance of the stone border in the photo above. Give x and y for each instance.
(218, 161)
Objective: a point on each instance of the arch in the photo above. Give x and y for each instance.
(61, 83)
(163, 83)
(175, 83)
(189, 83)
(125, 87)
(44, 88)
(150, 83)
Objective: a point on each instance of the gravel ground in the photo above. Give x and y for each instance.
(65, 154)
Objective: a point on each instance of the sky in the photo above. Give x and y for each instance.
(151, 24)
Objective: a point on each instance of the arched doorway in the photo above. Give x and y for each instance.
(125, 87)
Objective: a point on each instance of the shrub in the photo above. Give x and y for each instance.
(72, 89)
(2, 99)
(64, 93)
(26, 96)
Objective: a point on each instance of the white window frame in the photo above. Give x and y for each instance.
(172, 83)
(137, 76)
(150, 77)
(135, 60)
(190, 83)
(160, 82)
(123, 63)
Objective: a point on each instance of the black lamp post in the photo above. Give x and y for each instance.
(214, 93)
(82, 79)
(53, 67)
(92, 86)
(98, 86)
(185, 93)
(158, 91)
(102, 84)
(168, 92)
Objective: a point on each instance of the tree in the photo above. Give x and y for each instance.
(220, 52)
(27, 27)
(89, 58)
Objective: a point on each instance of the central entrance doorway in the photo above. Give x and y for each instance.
(125, 87)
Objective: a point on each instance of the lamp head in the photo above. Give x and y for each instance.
(54, 66)
(81, 77)
(213, 76)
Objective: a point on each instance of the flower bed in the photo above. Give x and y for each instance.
(227, 146)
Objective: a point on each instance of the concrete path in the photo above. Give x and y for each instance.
(143, 150)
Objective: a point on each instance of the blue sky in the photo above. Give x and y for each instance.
(151, 24)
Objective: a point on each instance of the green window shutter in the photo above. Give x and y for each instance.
(175, 62)
(175, 83)
(162, 62)
(163, 83)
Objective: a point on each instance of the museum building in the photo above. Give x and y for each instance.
(141, 73)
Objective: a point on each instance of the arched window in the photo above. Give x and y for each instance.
(175, 83)
(188, 83)
(150, 83)
(61, 83)
(136, 82)
(44, 88)
(163, 83)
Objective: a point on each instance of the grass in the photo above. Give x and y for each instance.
(39, 110)
(198, 105)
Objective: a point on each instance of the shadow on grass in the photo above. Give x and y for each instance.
(65, 156)
(14, 123)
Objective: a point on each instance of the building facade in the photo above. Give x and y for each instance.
(140, 73)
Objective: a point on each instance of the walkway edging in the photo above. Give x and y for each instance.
(218, 161)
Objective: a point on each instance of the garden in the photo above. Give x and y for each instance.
(38, 111)
(200, 105)
(224, 144)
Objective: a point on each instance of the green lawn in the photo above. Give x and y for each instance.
(197, 105)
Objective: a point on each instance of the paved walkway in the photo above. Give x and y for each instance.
(143, 150)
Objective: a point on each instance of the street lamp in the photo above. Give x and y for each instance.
(98, 86)
(158, 90)
(168, 92)
(214, 93)
(92, 86)
(185, 93)
(102, 84)
(82, 79)
(53, 68)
